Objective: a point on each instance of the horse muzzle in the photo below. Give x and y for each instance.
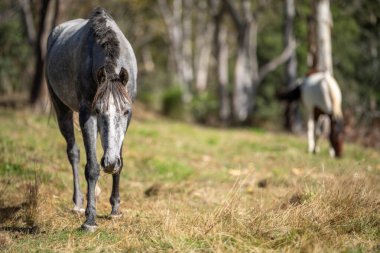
(110, 166)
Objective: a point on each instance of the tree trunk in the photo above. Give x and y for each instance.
(187, 48)
(203, 46)
(221, 59)
(291, 63)
(179, 30)
(312, 52)
(222, 71)
(204, 59)
(243, 88)
(324, 24)
(246, 60)
(292, 117)
(248, 75)
(47, 17)
(27, 17)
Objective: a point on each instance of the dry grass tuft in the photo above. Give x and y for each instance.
(5, 241)
(228, 209)
(24, 216)
(32, 204)
(341, 207)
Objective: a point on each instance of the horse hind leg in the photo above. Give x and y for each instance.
(319, 127)
(66, 126)
(311, 133)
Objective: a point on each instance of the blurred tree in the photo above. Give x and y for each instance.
(292, 117)
(221, 51)
(179, 26)
(324, 24)
(320, 23)
(213, 83)
(46, 15)
(203, 44)
(248, 75)
(312, 52)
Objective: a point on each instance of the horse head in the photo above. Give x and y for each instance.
(337, 136)
(112, 105)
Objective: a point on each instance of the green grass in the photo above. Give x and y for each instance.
(210, 191)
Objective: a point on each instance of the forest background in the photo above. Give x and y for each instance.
(187, 52)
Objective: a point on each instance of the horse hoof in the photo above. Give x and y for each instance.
(116, 215)
(78, 210)
(89, 228)
(332, 153)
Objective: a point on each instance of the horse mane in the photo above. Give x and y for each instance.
(107, 39)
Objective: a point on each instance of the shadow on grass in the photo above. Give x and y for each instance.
(23, 217)
(8, 213)
(24, 230)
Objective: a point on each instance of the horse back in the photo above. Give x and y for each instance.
(63, 60)
(320, 90)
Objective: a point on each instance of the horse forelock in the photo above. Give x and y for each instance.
(105, 37)
(114, 88)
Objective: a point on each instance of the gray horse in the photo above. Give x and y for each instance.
(91, 68)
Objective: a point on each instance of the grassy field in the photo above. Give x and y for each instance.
(187, 188)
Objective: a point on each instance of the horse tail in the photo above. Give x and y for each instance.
(290, 95)
(336, 98)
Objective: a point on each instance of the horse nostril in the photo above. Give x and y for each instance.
(102, 162)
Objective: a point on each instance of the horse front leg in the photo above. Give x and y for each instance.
(115, 196)
(88, 125)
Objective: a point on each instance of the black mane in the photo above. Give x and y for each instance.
(105, 37)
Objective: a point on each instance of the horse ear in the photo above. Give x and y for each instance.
(124, 76)
(101, 75)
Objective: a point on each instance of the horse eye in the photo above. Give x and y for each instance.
(126, 112)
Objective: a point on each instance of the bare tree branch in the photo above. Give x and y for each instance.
(274, 63)
(262, 5)
(234, 14)
(57, 8)
(28, 21)
(166, 13)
